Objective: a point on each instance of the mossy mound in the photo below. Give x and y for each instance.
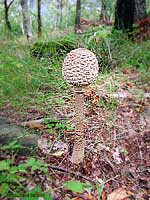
(57, 47)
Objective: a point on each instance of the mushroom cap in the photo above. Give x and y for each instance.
(80, 67)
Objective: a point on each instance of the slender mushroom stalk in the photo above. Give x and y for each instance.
(80, 68)
(79, 142)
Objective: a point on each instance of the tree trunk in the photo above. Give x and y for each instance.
(102, 16)
(6, 7)
(39, 18)
(78, 14)
(57, 14)
(140, 10)
(124, 15)
(31, 4)
(26, 20)
(61, 7)
(128, 12)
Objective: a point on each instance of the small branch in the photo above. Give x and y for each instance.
(10, 4)
(110, 56)
(80, 175)
(71, 172)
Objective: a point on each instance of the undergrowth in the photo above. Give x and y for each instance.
(31, 74)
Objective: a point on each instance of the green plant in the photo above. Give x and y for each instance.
(80, 187)
(99, 188)
(11, 146)
(11, 174)
(58, 47)
(109, 103)
(58, 124)
(36, 193)
(98, 42)
(77, 186)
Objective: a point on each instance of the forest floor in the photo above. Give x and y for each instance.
(116, 163)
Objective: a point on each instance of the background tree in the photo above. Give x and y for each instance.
(124, 14)
(26, 19)
(61, 14)
(128, 12)
(78, 15)
(39, 18)
(102, 16)
(140, 10)
(6, 7)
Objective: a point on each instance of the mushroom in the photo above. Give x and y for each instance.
(80, 68)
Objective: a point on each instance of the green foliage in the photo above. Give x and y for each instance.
(57, 127)
(57, 47)
(11, 146)
(99, 189)
(76, 186)
(35, 194)
(128, 53)
(109, 104)
(98, 43)
(11, 174)
(58, 124)
(23, 77)
(39, 82)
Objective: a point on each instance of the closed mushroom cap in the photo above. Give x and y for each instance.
(80, 67)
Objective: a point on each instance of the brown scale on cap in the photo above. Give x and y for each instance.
(80, 68)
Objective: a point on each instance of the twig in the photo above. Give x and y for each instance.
(71, 172)
(80, 175)
(10, 4)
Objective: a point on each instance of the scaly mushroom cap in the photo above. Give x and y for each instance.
(80, 67)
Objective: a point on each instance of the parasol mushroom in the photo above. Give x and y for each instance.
(80, 68)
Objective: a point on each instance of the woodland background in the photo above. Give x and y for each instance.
(37, 105)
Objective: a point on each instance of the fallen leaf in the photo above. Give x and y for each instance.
(33, 125)
(89, 91)
(116, 156)
(95, 99)
(126, 71)
(103, 196)
(119, 194)
(129, 84)
(89, 197)
(77, 198)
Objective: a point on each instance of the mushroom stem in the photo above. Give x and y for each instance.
(79, 141)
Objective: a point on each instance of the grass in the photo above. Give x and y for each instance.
(26, 80)
(30, 81)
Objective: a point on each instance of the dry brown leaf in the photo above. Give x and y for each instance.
(95, 99)
(119, 194)
(77, 198)
(33, 125)
(89, 197)
(126, 71)
(89, 91)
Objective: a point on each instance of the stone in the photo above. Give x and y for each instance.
(11, 132)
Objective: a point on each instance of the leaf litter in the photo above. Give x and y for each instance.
(117, 146)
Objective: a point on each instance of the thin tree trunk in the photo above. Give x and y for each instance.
(6, 7)
(57, 13)
(67, 14)
(102, 16)
(78, 15)
(26, 19)
(39, 18)
(140, 10)
(61, 7)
